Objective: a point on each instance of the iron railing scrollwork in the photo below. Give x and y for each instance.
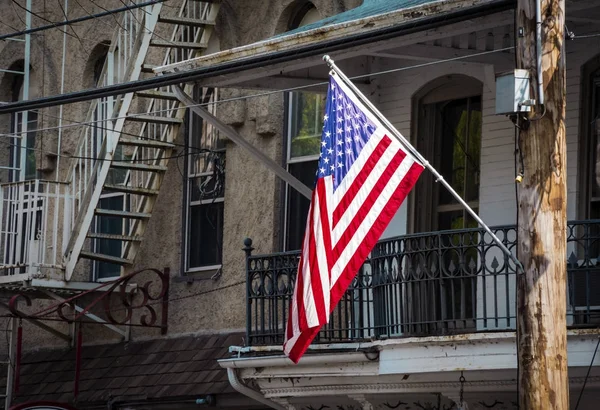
(425, 284)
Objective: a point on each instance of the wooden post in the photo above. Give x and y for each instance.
(541, 300)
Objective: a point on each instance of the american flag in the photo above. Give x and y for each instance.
(362, 179)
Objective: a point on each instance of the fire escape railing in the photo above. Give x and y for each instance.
(428, 284)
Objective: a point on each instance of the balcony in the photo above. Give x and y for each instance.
(429, 284)
(31, 229)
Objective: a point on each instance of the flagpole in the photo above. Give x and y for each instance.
(438, 177)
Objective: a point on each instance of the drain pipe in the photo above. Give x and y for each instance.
(237, 384)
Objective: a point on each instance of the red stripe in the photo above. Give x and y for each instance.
(366, 206)
(313, 264)
(388, 212)
(360, 179)
(321, 190)
(302, 343)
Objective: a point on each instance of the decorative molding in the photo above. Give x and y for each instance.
(377, 388)
(366, 404)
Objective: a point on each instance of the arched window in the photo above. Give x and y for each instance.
(447, 123)
(303, 136)
(448, 130)
(589, 141)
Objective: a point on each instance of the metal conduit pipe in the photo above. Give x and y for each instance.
(240, 387)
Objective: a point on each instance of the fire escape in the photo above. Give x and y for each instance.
(49, 227)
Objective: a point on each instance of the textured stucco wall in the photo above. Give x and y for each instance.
(252, 194)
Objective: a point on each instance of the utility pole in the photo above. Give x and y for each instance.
(541, 300)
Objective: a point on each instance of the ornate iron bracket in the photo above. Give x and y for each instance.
(143, 297)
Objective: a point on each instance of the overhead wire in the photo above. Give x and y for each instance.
(272, 92)
(89, 16)
(16, 3)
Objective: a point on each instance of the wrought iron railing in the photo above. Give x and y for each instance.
(32, 215)
(427, 284)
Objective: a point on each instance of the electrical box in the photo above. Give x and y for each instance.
(512, 90)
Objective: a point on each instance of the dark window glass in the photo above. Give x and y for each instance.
(298, 204)
(109, 225)
(206, 234)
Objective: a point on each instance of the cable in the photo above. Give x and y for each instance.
(587, 375)
(77, 20)
(181, 77)
(15, 3)
(266, 93)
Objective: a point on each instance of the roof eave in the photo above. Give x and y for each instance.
(364, 26)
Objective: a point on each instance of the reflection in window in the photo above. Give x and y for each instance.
(205, 182)
(305, 116)
(306, 123)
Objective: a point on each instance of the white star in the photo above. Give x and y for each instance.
(340, 142)
(357, 115)
(340, 119)
(326, 117)
(349, 128)
(326, 160)
(330, 151)
(322, 170)
(348, 117)
(333, 86)
(323, 143)
(340, 154)
(348, 140)
(356, 126)
(340, 108)
(340, 97)
(332, 167)
(321, 154)
(340, 131)
(357, 138)
(340, 165)
(327, 134)
(348, 151)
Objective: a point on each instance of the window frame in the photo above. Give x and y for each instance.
(188, 203)
(289, 160)
(590, 76)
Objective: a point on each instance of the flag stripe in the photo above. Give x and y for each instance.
(354, 185)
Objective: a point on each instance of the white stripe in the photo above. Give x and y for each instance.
(310, 308)
(364, 191)
(356, 167)
(321, 254)
(370, 218)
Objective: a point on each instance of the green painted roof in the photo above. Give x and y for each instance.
(369, 8)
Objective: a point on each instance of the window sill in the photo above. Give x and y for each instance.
(199, 274)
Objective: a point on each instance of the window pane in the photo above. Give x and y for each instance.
(298, 205)
(109, 225)
(205, 235)
(473, 151)
(306, 123)
(460, 148)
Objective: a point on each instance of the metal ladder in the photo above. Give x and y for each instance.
(127, 154)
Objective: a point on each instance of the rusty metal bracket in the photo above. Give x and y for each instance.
(118, 301)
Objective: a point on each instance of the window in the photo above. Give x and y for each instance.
(449, 124)
(449, 134)
(305, 118)
(205, 188)
(305, 123)
(584, 280)
(113, 226)
(24, 126)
